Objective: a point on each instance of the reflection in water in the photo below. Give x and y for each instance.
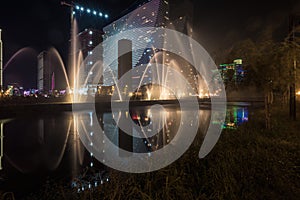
(45, 146)
(156, 128)
(150, 130)
(51, 144)
(36, 143)
(1, 138)
(235, 116)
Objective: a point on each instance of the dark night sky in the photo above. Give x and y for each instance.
(217, 23)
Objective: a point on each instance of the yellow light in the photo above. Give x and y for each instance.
(298, 93)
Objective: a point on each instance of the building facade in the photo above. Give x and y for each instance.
(88, 40)
(45, 76)
(147, 14)
(232, 72)
(155, 13)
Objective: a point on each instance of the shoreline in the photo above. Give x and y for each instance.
(102, 105)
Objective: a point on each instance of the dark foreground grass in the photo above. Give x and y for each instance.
(247, 163)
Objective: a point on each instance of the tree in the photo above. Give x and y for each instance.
(267, 65)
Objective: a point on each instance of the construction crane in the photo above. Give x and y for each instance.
(63, 3)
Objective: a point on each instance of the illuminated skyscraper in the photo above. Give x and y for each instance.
(44, 80)
(153, 14)
(147, 14)
(88, 40)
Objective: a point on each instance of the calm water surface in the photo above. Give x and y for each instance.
(46, 147)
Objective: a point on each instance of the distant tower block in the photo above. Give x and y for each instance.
(1, 64)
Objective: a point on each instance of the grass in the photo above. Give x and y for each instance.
(249, 162)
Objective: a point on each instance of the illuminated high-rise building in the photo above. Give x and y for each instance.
(50, 73)
(88, 40)
(151, 14)
(232, 72)
(181, 16)
(148, 14)
(45, 74)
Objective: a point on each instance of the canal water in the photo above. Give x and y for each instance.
(47, 147)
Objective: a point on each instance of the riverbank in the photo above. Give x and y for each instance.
(15, 106)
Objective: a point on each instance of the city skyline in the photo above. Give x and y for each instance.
(41, 26)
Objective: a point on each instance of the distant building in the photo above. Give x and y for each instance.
(51, 77)
(181, 16)
(232, 72)
(88, 40)
(45, 75)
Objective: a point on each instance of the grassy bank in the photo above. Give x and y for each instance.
(247, 163)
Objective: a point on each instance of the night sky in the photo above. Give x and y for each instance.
(43, 24)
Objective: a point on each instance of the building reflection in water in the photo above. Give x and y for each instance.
(52, 143)
(48, 145)
(235, 116)
(156, 128)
